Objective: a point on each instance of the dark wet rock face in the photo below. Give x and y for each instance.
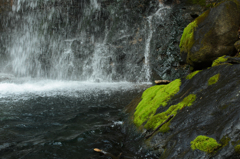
(165, 58)
(215, 113)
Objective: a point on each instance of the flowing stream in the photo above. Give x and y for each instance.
(66, 76)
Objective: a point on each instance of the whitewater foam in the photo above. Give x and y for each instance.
(51, 87)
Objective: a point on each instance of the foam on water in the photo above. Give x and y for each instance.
(51, 87)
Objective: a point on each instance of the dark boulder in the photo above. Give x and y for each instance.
(211, 35)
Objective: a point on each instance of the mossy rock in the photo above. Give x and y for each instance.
(214, 79)
(153, 98)
(219, 60)
(237, 149)
(204, 143)
(226, 60)
(197, 110)
(191, 75)
(158, 119)
(211, 35)
(187, 39)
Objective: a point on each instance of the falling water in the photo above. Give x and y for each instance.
(158, 16)
(47, 41)
(147, 49)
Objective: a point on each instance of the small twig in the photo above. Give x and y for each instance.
(169, 118)
(107, 153)
(162, 81)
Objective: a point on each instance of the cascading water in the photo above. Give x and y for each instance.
(147, 49)
(56, 49)
(38, 47)
(49, 40)
(158, 15)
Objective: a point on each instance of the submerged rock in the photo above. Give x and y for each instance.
(206, 104)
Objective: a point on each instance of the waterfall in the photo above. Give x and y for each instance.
(158, 16)
(147, 48)
(76, 40)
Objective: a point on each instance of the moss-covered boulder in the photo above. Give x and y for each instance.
(211, 35)
(206, 114)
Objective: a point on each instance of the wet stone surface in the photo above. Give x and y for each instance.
(215, 113)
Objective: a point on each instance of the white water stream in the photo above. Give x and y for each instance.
(158, 16)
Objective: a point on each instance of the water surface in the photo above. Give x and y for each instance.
(67, 119)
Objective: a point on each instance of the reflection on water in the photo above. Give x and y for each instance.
(58, 119)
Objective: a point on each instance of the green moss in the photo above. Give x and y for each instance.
(191, 75)
(224, 141)
(205, 47)
(187, 39)
(237, 148)
(205, 144)
(158, 119)
(165, 128)
(219, 60)
(153, 98)
(213, 79)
